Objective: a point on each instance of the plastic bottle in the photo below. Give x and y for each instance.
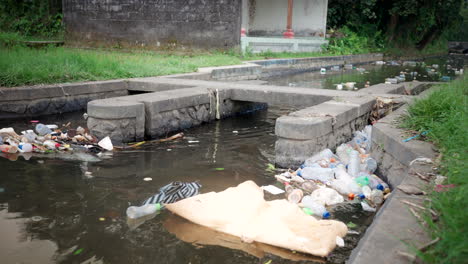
(343, 152)
(376, 197)
(1, 140)
(344, 183)
(354, 163)
(30, 136)
(369, 165)
(25, 147)
(295, 196)
(42, 129)
(317, 173)
(134, 212)
(375, 181)
(316, 208)
(325, 154)
(362, 179)
(366, 191)
(8, 149)
(326, 196)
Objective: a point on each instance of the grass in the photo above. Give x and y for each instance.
(444, 114)
(25, 66)
(21, 65)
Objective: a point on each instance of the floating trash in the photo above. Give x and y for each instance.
(36, 218)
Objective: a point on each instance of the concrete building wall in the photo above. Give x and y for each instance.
(153, 23)
(268, 17)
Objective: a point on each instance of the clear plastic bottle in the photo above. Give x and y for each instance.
(344, 183)
(377, 183)
(325, 154)
(42, 129)
(343, 152)
(134, 212)
(316, 208)
(366, 191)
(354, 163)
(317, 173)
(30, 136)
(369, 165)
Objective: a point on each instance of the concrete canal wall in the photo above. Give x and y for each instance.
(32, 101)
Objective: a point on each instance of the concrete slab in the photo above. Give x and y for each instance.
(303, 128)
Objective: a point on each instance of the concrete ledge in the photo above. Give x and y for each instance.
(123, 120)
(394, 227)
(148, 86)
(414, 88)
(278, 44)
(318, 62)
(52, 99)
(245, 71)
(391, 138)
(59, 90)
(302, 128)
(384, 89)
(306, 132)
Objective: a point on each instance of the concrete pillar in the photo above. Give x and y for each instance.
(289, 32)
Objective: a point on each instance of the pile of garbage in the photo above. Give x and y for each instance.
(326, 178)
(51, 139)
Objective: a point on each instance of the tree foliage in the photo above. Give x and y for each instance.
(404, 22)
(31, 17)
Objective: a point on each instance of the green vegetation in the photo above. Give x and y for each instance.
(24, 66)
(21, 65)
(402, 23)
(444, 114)
(32, 17)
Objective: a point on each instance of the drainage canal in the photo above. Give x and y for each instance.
(445, 68)
(63, 214)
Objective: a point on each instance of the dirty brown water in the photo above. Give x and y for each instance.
(51, 212)
(375, 74)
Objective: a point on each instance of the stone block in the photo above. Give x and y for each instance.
(302, 128)
(341, 113)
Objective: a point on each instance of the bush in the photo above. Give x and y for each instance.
(32, 18)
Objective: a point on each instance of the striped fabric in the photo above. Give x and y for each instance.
(174, 192)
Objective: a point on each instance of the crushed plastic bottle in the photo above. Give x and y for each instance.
(343, 152)
(376, 197)
(29, 135)
(369, 165)
(134, 212)
(362, 179)
(344, 183)
(316, 172)
(326, 196)
(317, 209)
(42, 129)
(325, 154)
